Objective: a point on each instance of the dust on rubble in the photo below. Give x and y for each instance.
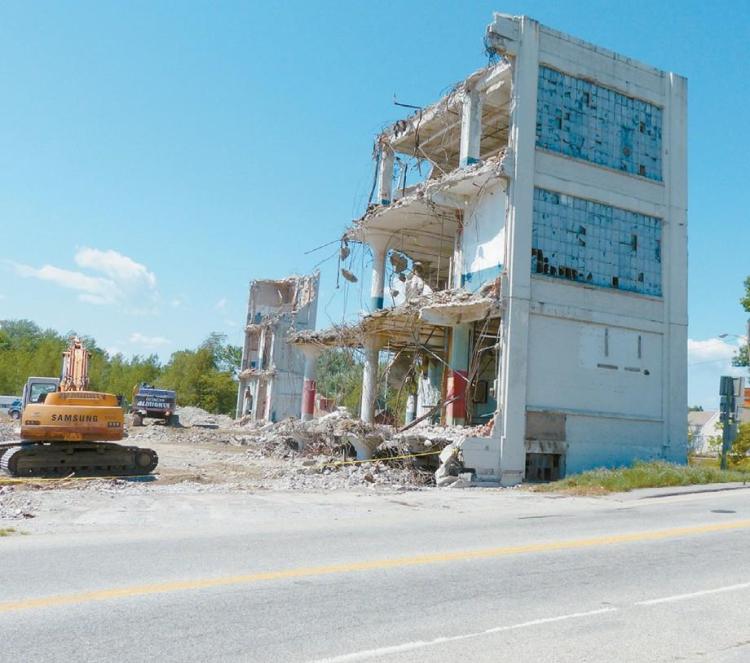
(208, 452)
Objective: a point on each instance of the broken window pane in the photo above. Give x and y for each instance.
(587, 121)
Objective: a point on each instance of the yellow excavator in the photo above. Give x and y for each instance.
(68, 430)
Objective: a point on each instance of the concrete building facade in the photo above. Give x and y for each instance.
(550, 238)
(272, 375)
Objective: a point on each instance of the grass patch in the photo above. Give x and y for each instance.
(655, 474)
(7, 531)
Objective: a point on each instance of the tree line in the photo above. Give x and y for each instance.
(204, 376)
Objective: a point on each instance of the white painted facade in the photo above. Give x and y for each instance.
(613, 363)
(559, 173)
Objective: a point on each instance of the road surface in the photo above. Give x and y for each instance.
(427, 576)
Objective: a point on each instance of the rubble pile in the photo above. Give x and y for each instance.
(9, 430)
(16, 505)
(195, 416)
(331, 452)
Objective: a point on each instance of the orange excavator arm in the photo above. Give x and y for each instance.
(75, 373)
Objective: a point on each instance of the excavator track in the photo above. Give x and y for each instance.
(37, 459)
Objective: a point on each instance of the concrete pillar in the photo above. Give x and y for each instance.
(370, 380)
(411, 407)
(513, 367)
(471, 128)
(240, 406)
(379, 246)
(311, 352)
(385, 176)
(429, 389)
(674, 270)
(458, 376)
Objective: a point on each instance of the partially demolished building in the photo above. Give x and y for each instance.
(272, 371)
(538, 273)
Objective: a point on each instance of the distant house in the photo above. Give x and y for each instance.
(702, 426)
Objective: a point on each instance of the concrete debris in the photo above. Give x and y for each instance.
(440, 307)
(195, 416)
(215, 453)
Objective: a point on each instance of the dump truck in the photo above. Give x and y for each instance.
(148, 401)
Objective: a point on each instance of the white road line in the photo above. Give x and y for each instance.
(693, 595)
(420, 644)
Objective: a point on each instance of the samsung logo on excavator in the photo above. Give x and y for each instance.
(76, 418)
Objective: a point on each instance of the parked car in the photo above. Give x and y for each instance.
(14, 410)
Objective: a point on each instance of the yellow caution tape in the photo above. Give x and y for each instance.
(375, 460)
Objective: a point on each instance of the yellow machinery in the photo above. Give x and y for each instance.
(66, 429)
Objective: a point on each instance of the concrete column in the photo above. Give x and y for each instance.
(411, 408)
(675, 271)
(379, 246)
(239, 408)
(429, 389)
(514, 366)
(385, 176)
(311, 352)
(458, 376)
(471, 128)
(370, 380)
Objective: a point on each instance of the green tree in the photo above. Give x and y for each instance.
(742, 358)
(339, 376)
(738, 455)
(203, 377)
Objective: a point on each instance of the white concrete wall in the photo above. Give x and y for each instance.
(483, 237)
(552, 329)
(575, 374)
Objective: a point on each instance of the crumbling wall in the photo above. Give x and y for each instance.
(482, 247)
(272, 370)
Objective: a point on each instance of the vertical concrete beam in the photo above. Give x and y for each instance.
(379, 246)
(471, 128)
(370, 379)
(455, 412)
(411, 407)
(674, 274)
(513, 369)
(385, 175)
(309, 387)
(240, 406)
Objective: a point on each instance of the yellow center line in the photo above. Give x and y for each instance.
(371, 565)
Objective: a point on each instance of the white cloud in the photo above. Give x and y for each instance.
(118, 267)
(148, 341)
(711, 350)
(120, 279)
(708, 360)
(93, 289)
(221, 304)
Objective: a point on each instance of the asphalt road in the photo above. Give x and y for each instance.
(433, 576)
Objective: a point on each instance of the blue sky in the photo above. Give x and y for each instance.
(211, 143)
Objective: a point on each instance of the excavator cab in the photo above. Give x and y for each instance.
(36, 389)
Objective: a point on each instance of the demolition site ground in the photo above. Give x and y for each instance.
(214, 454)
